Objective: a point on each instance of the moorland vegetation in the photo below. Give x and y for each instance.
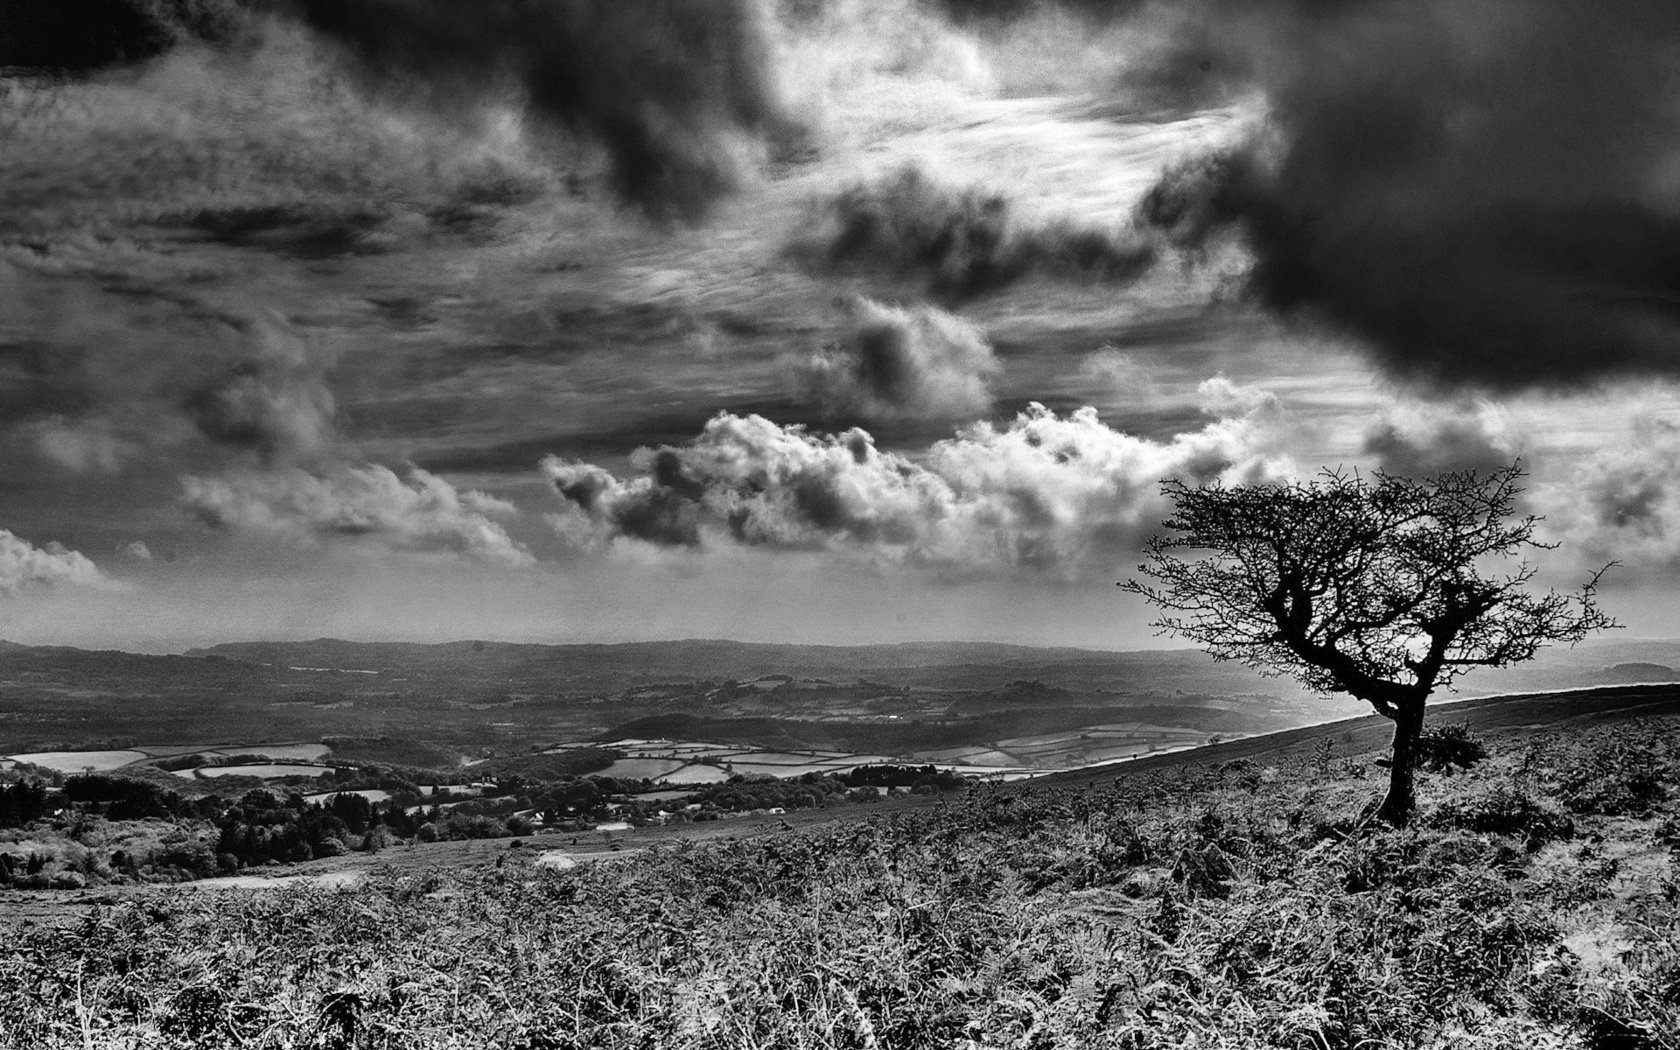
(1532, 902)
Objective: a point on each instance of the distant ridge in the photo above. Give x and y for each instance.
(906, 654)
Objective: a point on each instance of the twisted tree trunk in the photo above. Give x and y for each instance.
(1396, 808)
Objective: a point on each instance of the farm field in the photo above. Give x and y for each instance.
(77, 761)
(271, 771)
(278, 752)
(105, 761)
(697, 773)
(371, 794)
(636, 768)
(766, 769)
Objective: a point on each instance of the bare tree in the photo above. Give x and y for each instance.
(1385, 589)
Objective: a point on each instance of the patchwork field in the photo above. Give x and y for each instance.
(81, 761)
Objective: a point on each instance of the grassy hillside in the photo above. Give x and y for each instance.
(1233, 904)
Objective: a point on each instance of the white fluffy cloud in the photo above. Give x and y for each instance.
(368, 504)
(1057, 496)
(22, 564)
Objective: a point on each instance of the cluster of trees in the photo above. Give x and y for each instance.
(261, 828)
(123, 798)
(22, 803)
(912, 777)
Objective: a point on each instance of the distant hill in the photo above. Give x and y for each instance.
(499, 697)
(690, 656)
(1640, 672)
(496, 697)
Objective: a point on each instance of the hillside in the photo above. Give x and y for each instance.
(1192, 900)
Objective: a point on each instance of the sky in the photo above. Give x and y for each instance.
(833, 321)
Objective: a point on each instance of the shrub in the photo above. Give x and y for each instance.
(1506, 810)
(1441, 748)
(1614, 780)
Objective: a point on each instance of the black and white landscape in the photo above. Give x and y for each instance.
(607, 512)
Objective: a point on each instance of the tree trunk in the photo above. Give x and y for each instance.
(1396, 808)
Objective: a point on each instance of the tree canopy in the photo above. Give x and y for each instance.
(1385, 588)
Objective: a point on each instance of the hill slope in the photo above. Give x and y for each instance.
(1163, 904)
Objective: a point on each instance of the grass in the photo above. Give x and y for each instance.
(1534, 903)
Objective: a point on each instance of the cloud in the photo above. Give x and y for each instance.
(1222, 398)
(914, 362)
(80, 446)
(108, 382)
(364, 504)
(965, 11)
(680, 98)
(957, 244)
(1621, 504)
(674, 89)
(1484, 192)
(24, 565)
(95, 33)
(1053, 496)
(1118, 375)
(275, 402)
(1423, 441)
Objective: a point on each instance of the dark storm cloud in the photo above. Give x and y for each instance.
(1486, 191)
(75, 37)
(670, 87)
(894, 363)
(956, 243)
